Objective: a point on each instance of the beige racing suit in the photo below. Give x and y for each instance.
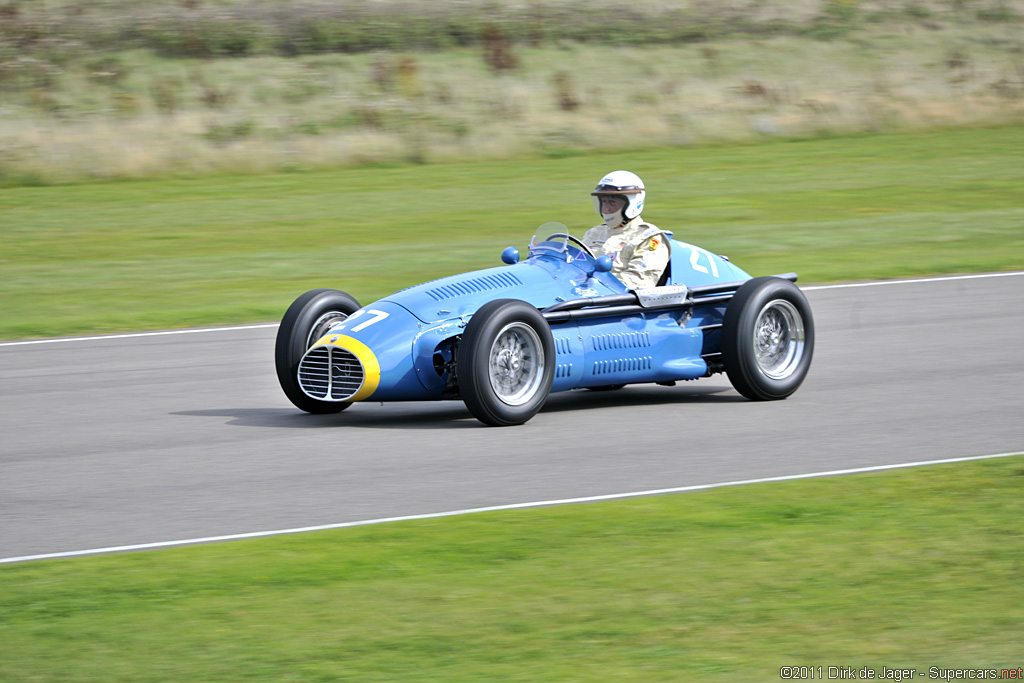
(639, 251)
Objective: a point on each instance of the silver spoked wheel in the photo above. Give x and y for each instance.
(516, 364)
(323, 324)
(779, 339)
(505, 362)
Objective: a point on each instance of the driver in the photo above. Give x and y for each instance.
(639, 251)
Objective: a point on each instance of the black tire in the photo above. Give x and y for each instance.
(505, 362)
(767, 338)
(306, 320)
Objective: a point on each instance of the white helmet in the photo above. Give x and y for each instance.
(622, 183)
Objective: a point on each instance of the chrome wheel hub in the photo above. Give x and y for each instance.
(516, 364)
(323, 325)
(779, 339)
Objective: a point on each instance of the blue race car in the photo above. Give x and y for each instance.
(502, 339)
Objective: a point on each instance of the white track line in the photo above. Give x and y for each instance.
(498, 508)
(943, 278)
(191, 330)
(196, 330)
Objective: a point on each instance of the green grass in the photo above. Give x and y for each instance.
(915, 568)
(120, 256)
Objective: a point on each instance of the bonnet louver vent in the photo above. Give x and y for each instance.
(474, 286)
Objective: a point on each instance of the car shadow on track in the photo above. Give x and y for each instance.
(455, 415)
(439, 415)
(639, 395)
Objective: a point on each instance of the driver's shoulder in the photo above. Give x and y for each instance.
(646, 231)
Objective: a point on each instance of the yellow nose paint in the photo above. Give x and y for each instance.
(371, 368)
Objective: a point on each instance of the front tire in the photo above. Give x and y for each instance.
(767, 339)
(505, 363)
(305, 321)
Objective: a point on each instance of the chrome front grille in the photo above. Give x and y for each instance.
(328, 373)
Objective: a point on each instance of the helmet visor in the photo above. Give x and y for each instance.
(617, 189)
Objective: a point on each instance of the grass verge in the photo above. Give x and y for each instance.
(914, 568)
(107, 257)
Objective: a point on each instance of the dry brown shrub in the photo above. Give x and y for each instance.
(565, 91)
(498, 50)
(758, 90)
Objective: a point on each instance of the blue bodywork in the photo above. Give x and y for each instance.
(413, 334)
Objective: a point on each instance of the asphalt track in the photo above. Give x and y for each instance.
(147, 439)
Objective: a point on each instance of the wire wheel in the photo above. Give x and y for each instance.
(323, 325)
(516, 364)
(306, 320)
(505, 362)
(767, 338)
(779, 339)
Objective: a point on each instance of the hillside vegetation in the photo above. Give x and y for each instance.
(126, 88)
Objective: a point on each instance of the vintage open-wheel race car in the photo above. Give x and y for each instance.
(502, 339)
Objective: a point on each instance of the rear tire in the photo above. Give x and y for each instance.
(767, 338)
(305, 321)
(505, 363)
